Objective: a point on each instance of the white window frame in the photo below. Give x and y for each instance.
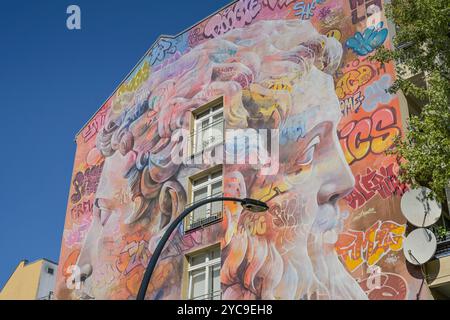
(208, 184)
(207, 114)
(208, 265)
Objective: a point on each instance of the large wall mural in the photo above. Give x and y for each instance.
(334, 229)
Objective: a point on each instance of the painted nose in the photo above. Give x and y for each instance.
(338, 179)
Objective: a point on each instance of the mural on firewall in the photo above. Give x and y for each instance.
(334, 228)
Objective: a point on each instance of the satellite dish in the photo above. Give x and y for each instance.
(418, 210)
(420, 246)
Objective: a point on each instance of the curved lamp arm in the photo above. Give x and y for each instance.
(250, 204)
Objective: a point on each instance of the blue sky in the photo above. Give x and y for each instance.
(51, 81)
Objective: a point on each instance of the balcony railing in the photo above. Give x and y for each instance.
(211, 213)
(443, 247)
(216, 295)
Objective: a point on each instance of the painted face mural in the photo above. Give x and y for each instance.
(334, 228)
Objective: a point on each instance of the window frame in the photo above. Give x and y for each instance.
(198, 116)
(209, 187)
(208, 266)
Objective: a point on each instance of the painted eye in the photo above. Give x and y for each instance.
(308, 155)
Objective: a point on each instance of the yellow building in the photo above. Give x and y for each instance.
(30, 281)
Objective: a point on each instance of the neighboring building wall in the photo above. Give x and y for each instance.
(438, 271)
(334, 230)
(47, 280)
(29, 281)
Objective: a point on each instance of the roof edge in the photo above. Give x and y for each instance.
(162, 36)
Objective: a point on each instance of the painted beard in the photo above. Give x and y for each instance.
(295, 261)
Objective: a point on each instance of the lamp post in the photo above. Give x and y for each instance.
(248, 204)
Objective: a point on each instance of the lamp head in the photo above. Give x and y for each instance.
(254, 205)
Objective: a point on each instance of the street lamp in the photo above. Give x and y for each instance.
(248, 204)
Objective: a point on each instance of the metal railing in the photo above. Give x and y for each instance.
(443, 247)
(212, 214)
(215, 295)
(196, 146)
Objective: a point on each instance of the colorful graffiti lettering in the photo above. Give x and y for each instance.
(76, 235)
(82, 209)
(370, 134)
(364, 214)
(358, 247)
(377, 93)
(141, 75)
(133, 255)
(272, 4)
(323, 14)
(86, 183)
(351, 104)
(384, 183)
(306, 10)
(195, 37)
(94, 126)
(391, 287)
(355, 6)
(162, 48)
(254, 225)
(353, 80)
(284, 213)
(369, 40)
(237, 16)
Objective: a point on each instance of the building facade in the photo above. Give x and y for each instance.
(31, 281)
(275, 100)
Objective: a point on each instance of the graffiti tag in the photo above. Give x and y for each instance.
(353, 80)
(384, 183)
(95, 125)
(390, 286)
(162, 48)
(82, 209)
(370, 134)
(237, 16)
(377, 93)
(306, 10)
(136, 81)
(352, 104)
(358, 247)
(86, 183)
(371, 38)
(272, 4)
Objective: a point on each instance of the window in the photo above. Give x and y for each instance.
(204, 275)
(50, 270)
(208, 128)
(207, 186)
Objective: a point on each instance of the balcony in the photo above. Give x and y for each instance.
(443, 247)
(438, 269)
(206, 215)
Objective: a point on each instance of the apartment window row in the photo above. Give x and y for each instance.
(203, 270)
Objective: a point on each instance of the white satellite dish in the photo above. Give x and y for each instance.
(418, 210)
(420, 246)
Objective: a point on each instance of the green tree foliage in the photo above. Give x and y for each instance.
(422, 45)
